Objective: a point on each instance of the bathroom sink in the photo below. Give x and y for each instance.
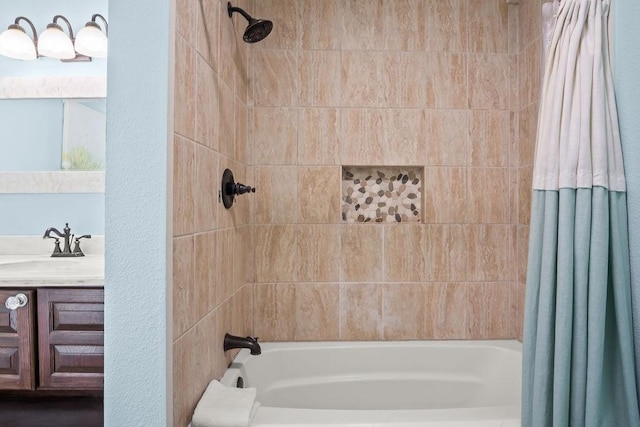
(47, 268)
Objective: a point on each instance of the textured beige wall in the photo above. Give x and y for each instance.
(212, 255)
(450, 86)
(430, 83)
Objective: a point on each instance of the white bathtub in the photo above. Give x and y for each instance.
(404, 383)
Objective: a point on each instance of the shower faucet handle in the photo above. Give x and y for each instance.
(230, 189)
(242, 189)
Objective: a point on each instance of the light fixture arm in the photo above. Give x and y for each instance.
(55, 23)
(17, 26)
(106, 26)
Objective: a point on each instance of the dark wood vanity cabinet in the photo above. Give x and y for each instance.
(17, 343)
(71, 338)
(54, 342)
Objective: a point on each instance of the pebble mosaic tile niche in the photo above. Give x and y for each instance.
(381, 194)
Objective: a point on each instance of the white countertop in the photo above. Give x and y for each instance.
(19, 267)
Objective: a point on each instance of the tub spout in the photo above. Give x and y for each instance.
(232, 341)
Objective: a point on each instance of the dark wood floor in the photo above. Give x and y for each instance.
(51, 411)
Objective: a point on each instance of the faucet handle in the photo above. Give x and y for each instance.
(76, 248)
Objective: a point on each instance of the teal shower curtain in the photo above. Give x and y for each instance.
(578, 362)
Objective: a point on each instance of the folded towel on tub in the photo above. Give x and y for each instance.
(222, 406)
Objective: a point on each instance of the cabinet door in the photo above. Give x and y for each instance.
(71, 338)
(17, 353)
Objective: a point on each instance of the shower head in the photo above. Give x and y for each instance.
(257, 29)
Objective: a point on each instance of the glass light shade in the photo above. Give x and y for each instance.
(54, 43)
(91, 41)
(16, 44)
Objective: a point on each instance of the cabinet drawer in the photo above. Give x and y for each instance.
(71, 338)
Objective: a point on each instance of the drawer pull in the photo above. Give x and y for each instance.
(13, 303)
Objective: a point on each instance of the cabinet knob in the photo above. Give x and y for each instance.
(13, 303)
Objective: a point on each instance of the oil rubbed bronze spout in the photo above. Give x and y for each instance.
(67, 236)
(232, 341)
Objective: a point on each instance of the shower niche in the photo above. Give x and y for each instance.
(381, 194)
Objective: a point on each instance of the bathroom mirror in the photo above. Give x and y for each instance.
(56, 124)
(83, 134)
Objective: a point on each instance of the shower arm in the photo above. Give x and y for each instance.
(232, 9)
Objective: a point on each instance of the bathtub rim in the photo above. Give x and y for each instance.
(274, 346)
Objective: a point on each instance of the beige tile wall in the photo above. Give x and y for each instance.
(528, 69)
(450, 85)
(212, 247)
(443, 84)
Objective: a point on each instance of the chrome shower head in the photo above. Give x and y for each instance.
(257, 29)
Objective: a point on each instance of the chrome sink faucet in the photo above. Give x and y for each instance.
(67, 236)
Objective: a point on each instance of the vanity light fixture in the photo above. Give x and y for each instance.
(91, 40)
(54, 43)
(16, 44)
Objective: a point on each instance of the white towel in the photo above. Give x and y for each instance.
(222, 406)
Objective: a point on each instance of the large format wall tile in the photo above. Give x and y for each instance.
(274, 133)
(446, 76)
(362, 136)
(322, 24)
(205, 251)
(489, 311)
(489, 137)
(208, 19)
(319, 71)
(360, 311)
(319, 136)
(183, 285)
(318, 194)
(488, 25)
(446, 252)
(402, 88)
(404, 311)
(275, 261)
(404, 28)
(284, 16)
(488, 81)
(488, 252)
(274, 316)
(227, 124)
(207, 112)
(361, 253)
(447, 139)
(404, 250)
(362, 25)
(488, 195)
(445, 195)
(206, 173)
(318, 253)
(364, 77)
(447, 25)
(276, 193)
(446, 311)
(184, 89)
(317, 311)
(275, 78)
(184, 184)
